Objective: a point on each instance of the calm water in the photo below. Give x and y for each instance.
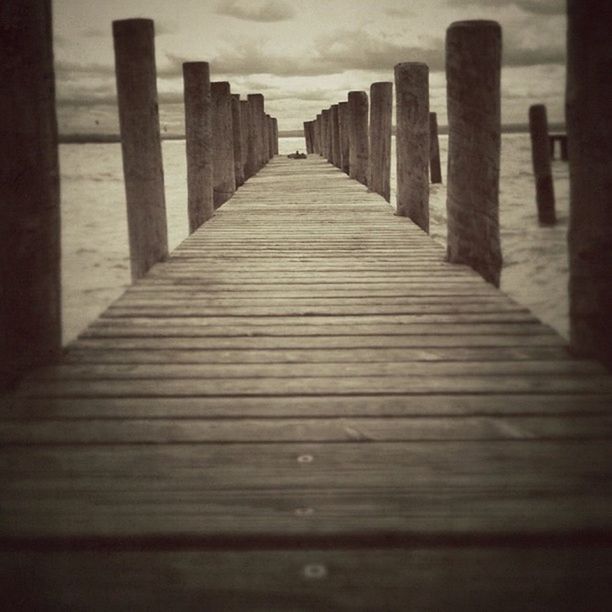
(95, 263)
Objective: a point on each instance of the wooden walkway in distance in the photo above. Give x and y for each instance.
(306, 408)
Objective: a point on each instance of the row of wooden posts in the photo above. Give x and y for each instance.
(228, 140)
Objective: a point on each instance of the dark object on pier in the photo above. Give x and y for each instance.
(297, 155)
(379, 172)
(434, 150)
(540, 150)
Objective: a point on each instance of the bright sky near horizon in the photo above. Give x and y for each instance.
(303, 56)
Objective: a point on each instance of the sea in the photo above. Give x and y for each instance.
(95, 257)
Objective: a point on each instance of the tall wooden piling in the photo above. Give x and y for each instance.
(270, 133)
(224, 179)
(140, 142)
(317, 134)
(198, 135)
(359, 147)
(381, 107)
(30, 306)
(412, 141)
(589, 134)
(542, 171)
(244, 136)
(343, 123)
(237, 140)
(275, 130)
(255, 102)
(308, 138)
(335, 136)
(435, 171)
(266, 138)
(473, 60)
(263, 160)
(325, 133)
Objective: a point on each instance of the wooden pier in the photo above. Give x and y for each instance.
(305, 407)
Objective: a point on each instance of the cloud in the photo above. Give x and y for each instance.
(537, 7)
(399, 12)
(256, 10)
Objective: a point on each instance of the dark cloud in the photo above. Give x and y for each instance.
(537, 7)
(254, 10)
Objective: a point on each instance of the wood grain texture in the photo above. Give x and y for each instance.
(306, 394)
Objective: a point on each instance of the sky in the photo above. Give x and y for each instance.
(302, 55)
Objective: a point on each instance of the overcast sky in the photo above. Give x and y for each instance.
(302, 55)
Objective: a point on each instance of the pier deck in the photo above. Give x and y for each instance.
(306, 408)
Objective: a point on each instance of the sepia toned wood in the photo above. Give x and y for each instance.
(412, 141)
(381, 106)
(30, 237)
(473, 66)
(344, 136)
(267, 138)
(198, 143)
(279, 405)
(271, 137)
(308, 138)
(359, 136)
(542, 171)
(317, 135)
(335, 135)
(237, 140)
(589, 132)
(140, 143)
(244, 137)
(434, 150)
(224, 179)
(255, 102)
(275, 133)
(325, 133)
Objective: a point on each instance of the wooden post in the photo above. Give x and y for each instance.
(589, 135)
(275, 129)
(330, 136)
(359, 151)
(30, 306)
(263, 160)
(551, 141)
(412, 141)
(237, 140)
(255, 102)
(563, 141)
(224, 179)
(244, 136)
(325, 133)
(540, 153)
(307, 137)
(198, 134)
(473, 59)
(266, 138)
(270, 133)
(344, 136)
(335, 136)
(140, 143)
(434, 150)
(381, 107)
(317, 132)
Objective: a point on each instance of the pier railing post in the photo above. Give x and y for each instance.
(343, 123)
(244, 136)
(473, 60)
(381, 107)
(30, 306)
(412, 142)
(589, 135)
(263, 141)
(266, 138)
(325, 133)
(540, 153)
(359, 147)
(255, 102)
(308, 137)
(317, 133)
(275, 130)
(335, 136)
(270, 135)
(140, 142)
(198, 135)
(434, 150)
(224, 179)
(237, 140)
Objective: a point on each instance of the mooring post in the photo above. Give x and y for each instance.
(30, 306)
(275, 129)
(317, 133)
(563, 141)
(473, 65)
(307, 137)
(589, 135)
(270, 134)
(266, 138)
(325, 133)
(255, 102)
(198, 135)
(224, 179)
(434, 150)
(244, 136)
(335, 139)
(330, 136)
(359, 147)
(140, 142)
(343, 122)
(237, 140)
(262, 135)
(540, 153)
(412, 141)
(381, 106)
